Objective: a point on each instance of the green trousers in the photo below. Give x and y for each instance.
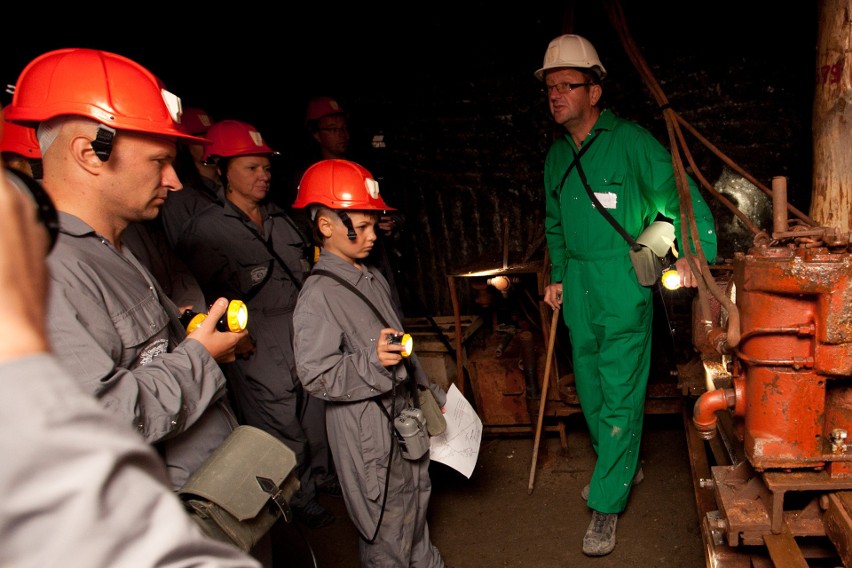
(609, 317)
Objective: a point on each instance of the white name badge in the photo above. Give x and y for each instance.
(609, 200)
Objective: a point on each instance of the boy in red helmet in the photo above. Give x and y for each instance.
(345, 356)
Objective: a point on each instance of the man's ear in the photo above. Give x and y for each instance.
(84, 154)
(595, 92)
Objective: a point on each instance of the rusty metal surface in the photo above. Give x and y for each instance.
(736, 506)
(744, 502)
(800, 480)
(737, 522)
(795, 356)
(803, 286)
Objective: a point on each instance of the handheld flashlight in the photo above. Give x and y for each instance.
(403, 339)
(670, 278)
(235, 318)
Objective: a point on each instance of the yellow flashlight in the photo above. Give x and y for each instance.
(670, 278)
(235, 318)
(403, 339)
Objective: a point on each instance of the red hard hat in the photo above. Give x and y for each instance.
(195, 121)
(229, 138)
(103, 86)
(340, 184)
(319, 107)
(20, 140)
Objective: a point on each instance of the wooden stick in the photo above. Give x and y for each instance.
(551, 340)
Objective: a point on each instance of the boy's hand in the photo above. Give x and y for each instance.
(389, 354)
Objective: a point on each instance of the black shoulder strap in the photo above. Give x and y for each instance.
(411, 380)
(630, 240)
(355, 290)
(296, 282)
(576, 162)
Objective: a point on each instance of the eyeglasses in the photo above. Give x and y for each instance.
(335, 129)
(563, 88)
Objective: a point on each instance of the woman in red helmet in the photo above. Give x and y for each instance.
(249, 249)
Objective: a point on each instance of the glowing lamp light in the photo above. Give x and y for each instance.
(405, 340)
(501, 283)
(235, 318)
(670, 279)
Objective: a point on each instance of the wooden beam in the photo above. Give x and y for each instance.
(838, 523)
(784, 550)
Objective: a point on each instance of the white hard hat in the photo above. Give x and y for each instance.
(571, 50)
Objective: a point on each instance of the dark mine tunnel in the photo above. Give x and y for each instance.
(444, 109)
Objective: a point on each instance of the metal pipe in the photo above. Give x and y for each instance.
(779, 205)
(711, 402)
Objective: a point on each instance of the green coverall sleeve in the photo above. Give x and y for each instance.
(553, 220)
(661, 191)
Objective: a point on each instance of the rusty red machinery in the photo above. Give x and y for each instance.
(783, 404)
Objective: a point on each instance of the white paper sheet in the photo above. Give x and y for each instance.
(458, 446)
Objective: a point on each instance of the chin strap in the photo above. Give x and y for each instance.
(347, 222)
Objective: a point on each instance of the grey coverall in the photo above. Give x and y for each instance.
(151, 248)
(335, 346)
(80, 488)
(229, 257)
(116, 332)
(181, 206)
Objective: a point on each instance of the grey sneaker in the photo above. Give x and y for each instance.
(600, 536)
(638, 478)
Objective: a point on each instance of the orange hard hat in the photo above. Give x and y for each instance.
(103, 86)
(20, 140)
(229, 138)
(340, 184)
(319, 107)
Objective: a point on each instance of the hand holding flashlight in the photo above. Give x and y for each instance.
(392, 346)
(221, 345)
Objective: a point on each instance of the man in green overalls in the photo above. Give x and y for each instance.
(607, 311)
